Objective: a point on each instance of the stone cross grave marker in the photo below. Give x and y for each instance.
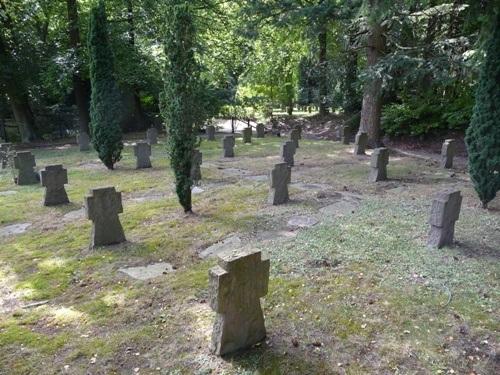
(378, 164)
(152, 136)
(287, 152)
(24, 162)
(445, 211)
(228, 146)
(195, 166)
(237, 283)
(448, 151)
(279, 177)
(247, 135)
(142, 152)
(295, 136)
(5, 149)
(261, 130)
(102, 206)
(360, 143)
(211, 133)
(53, 178)
(83, 141)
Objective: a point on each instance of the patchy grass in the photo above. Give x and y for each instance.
(355, 294)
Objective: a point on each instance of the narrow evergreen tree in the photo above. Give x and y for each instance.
(180, 97)
(483, 134)
(105, 99)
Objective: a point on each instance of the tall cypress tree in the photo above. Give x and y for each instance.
(483, 134)
(105, 98)
(180, 97)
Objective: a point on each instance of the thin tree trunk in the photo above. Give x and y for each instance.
(23, 116)
(323, 84)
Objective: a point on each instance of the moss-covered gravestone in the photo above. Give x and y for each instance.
(247, 135)
(53, 178)
(360, 143)
(142, 152)
(279, 178)
(448, 151)
(24, 162)
(228, 146)
(211, 133)
(261, 130)
(445, 211)
(102, 206)
(288, 152)
(378, 164)
(237, 283)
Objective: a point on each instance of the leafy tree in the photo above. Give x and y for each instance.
(483, 134)
(105, 101)
(181, 93)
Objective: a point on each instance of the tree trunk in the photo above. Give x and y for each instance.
(323, 84)
(350, 103)
(372, 96)
(80, 86)
(24, 117)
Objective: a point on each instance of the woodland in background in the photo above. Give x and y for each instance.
(413, 63)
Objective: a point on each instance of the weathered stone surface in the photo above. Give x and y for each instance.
(448, 151)
(53, 178)
(302, 221)
(261, 130)
(142, 153)
(195, 166)
(360, 143)
(295, 136)
(279, 177)
(83, 141)
(247, 135)
(24, 162)
(344, 134)
(378, 164)
(211, 133)
(152, 136)
(5, 150)
(237, 283)
(102, 206)
(228, 146)
(288, 152)
(10, 230)
(229, 243)
(148, 272)
(445, 211)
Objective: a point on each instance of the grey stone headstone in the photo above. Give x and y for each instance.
(5, 149)
(237, 283)
(295, 136)
(102, 206)
(287, 152)
(24, 162)
(344, 134)
(211, 133)
(448, 151)
(378, 164)
(228, 146)
(152, 136)
(53, 178)
(261, 130)
(247, 135)
(142, 152)
(279, 177)
(360, 143)
(445, 211)
(195, 166)
(83, 141)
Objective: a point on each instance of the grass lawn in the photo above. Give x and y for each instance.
(357, 293)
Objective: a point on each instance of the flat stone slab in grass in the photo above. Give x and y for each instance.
(8, 192)
(302, 221)
(197, 190)
(148, 272)
(74, 215)
(340, 208)
(10, 230)
(229, 243)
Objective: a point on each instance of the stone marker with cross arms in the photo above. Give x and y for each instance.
(83, 141)
(142, 152)
(228, 146)
(279, 177)
(211, 133)
(24, 162)
(295, 136)
(152, 136)
(287, 153)
(445, 211)
(102, 206)
(378, 164)
(237, 283)
(53, 178)
(360, 143)
(448, 151)
(261, 130)
(247, 135)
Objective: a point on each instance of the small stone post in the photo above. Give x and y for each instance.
(142, 152)
(445, 211)
(211, 133)
(261, 130)
(295, 136)
(279, 178)
(83, 141)
(448, 151)
(360, 143)
(228, 146)
(237, 283)
(287, 152)
(152, 136)
(378, 164)
(247, 135)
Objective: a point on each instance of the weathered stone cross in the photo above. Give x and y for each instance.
(445, 211)
(53, 178)
(236, 285)
(279, 177)
(24, 162)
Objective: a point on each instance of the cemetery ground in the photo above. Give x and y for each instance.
(353, 287)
